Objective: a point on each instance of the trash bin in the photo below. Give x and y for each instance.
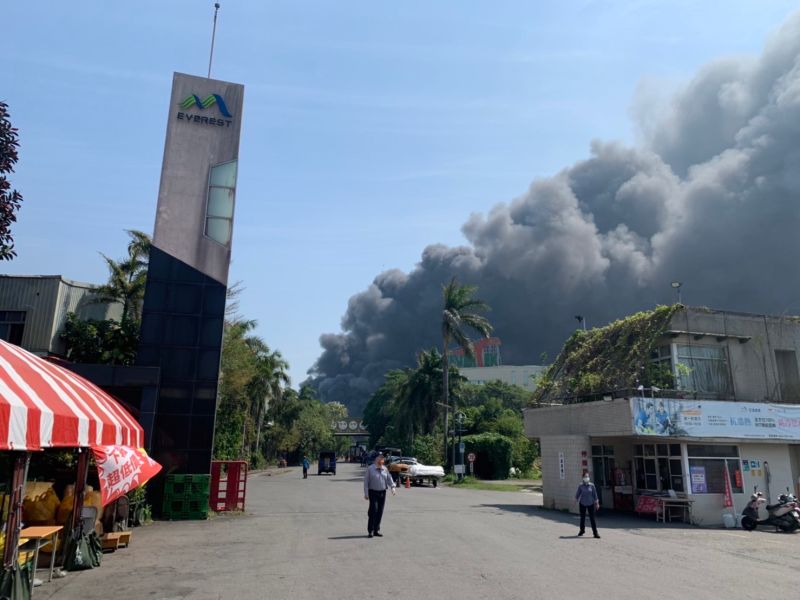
(728, 520)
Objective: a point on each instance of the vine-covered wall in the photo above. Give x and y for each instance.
(608, 358)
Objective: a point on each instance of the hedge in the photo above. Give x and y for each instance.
(493, 454)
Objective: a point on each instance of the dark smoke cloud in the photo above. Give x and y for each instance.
(711, 198)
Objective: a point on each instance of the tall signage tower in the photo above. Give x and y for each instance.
(184, 304)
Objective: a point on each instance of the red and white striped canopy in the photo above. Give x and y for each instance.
(43, 405)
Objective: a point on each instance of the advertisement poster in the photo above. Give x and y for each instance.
(698, 478)
(712, 418)
(122, 469)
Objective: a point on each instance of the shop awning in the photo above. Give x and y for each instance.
(43, 405)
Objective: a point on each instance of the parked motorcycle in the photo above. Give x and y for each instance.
(784, 515)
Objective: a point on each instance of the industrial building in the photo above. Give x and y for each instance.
(33, 310)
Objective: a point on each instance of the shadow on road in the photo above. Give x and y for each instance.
(348, 537)
(607, 519)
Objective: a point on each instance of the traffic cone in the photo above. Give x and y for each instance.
(408, 483)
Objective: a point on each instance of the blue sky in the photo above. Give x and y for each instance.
(371, 129)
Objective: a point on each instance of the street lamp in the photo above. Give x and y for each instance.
(676, 285)
(581, 320)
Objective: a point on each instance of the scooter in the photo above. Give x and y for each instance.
(785, 515)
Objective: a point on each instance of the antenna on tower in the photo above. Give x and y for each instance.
(213, 36)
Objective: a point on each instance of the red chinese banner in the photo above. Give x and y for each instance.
(728, 502)
(122, 469)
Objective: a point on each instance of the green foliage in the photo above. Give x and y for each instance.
(252, 377)
(494, 454)
(523, 454)
(100, 341)
(616, 356)
(427, 449)
(405, 406)
(10, 200)
(510, 396)
(127, 277)
(108, 341)
(301, 425)
(461, 312)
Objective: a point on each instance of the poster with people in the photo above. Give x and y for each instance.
(714, 418)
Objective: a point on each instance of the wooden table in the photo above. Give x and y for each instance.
(666, 503)
(41, 535)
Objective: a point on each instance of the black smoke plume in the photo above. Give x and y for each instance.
(710, 197)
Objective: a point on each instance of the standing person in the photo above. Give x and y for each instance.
(588, 501)
(306, 466)
(377, 480)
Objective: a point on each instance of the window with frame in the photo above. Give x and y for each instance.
(219, 207)
(12, 326)
(491, 356)
(603, 465)
(703, 369)
(707, 464)
(659, 467)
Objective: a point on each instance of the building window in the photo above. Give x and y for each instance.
(603, 465)
(491, 356)
(658, 467)
(703, 370)
(707, 466)
(788, 376)
(461, 361)
(12, 326)
(221, 196)
(661, 359)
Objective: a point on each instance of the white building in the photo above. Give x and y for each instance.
(732, 424)
(521, 375)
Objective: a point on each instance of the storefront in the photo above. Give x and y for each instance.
(45, 410)
(688, 451)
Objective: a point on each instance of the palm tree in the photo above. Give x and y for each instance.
(268, 384)
(460, 312)
(127, 278)
(418, 393)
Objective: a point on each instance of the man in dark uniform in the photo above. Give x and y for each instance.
(377, 480)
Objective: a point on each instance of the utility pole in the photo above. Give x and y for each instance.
(213, 36)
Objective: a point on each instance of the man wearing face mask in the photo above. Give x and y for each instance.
(377, 480)
(588, 501)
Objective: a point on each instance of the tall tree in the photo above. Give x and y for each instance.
(460, 313)
(268, 384)
(416, 404)
(127, 277)
(10, 200)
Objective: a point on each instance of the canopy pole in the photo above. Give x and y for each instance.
(14, 523)
(80, 488)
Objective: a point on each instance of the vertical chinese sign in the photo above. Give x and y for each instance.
(728, 502)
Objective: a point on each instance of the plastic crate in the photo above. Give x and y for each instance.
(187, 486)
(185, 508)
(187, 516)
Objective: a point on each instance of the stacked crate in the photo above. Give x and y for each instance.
(186, 497)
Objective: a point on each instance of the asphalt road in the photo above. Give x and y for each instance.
(303, 540)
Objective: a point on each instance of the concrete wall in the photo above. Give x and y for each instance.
(604, 418)
(794, 457)
(753, 367)
(521, 375)
(707, 509)
(190, 150)
(559, 493)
